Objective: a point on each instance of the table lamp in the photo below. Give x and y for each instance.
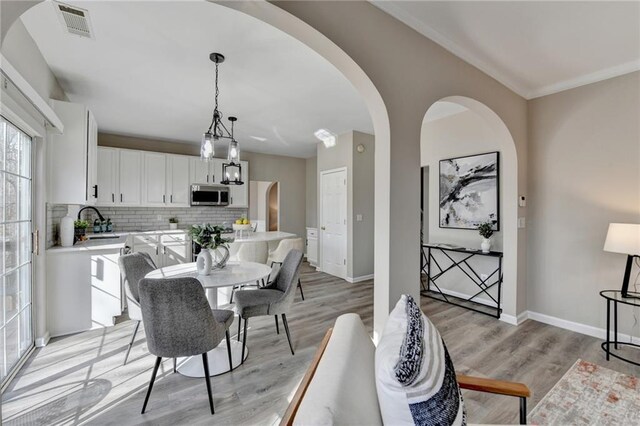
(624, 238)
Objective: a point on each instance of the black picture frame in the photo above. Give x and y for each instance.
(497, 190)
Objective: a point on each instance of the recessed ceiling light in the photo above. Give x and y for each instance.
(327, 138)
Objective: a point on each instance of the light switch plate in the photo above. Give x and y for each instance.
(521, 222)
(522, 201)
(358, 218)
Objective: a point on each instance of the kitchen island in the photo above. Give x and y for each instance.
(272, 238)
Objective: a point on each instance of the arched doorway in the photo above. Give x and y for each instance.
(372, 98)
(458, 126)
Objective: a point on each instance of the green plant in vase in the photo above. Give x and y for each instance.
(486, 231)
(214, 252)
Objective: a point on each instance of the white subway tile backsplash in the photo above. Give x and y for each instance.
(130, 219)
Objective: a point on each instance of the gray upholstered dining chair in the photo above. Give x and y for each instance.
(133, 268)
(179, 322)
(273, 299)
(277, 256)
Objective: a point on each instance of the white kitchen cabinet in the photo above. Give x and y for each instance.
(154, 179)
(239, 194)
(312, 246)
(83, 290)
(108, 167)
(199, 170)
(215, 168)
(164, 249)
(178, 180)
(129, 178)
(72, 156)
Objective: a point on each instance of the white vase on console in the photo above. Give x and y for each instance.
(486, 245)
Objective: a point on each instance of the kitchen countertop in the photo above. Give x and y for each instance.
(264, 236)
(100, 244)
(105, 244)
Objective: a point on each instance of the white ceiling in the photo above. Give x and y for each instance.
(533, 47)
(147, 73)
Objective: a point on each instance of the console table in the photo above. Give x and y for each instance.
(615, 297)
(433, 291)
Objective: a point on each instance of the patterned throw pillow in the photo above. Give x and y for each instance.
(415, 378)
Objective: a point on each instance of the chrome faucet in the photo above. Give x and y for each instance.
(92, 208)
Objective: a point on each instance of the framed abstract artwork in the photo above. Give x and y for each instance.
(469, 191)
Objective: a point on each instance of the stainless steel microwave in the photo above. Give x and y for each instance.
(209, 195)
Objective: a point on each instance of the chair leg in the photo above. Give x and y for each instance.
(263, 282)
(244, 339)
(233, 290)
(239, 325)
(286, 328)
(523, 411)
(277, 326)
(205, 363)
(300, 287)
(228, 337)
(133, 338)
(175, 365)
(153, 379)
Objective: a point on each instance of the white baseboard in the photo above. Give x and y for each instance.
(589, 330)
(359, 279)
(514, 320)
(42, 341)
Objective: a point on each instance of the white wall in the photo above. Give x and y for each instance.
(457, 135)
(461, 134)
(258, 203)
(584, 163)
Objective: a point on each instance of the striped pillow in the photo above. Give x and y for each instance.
(415, 378)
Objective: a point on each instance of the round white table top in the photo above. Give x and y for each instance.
(234, 273)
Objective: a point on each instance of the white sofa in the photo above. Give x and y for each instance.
(339, 387)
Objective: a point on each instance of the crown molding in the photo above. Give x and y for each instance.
(392, 9)
(518, 87)
(585, 79)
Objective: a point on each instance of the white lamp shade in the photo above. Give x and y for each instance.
(623, 238)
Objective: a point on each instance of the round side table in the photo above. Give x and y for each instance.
(615, 297)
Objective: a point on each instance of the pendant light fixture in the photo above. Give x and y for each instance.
(232, 171)
(217, 129)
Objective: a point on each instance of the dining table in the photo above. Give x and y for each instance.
(233, 274)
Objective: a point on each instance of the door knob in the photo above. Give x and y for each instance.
(323, 228)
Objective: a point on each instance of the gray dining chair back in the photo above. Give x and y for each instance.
(177, 317)
(286, 280)
(273, 299)
(133, 268)
(179, 322)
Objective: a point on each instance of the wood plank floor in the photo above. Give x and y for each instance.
(80, 378)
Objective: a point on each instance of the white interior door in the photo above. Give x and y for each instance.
(16, 333)
(333, 221)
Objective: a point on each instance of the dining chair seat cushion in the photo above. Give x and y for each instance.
(264, 301)
(223, 316)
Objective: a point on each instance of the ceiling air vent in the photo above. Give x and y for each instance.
(75, 20)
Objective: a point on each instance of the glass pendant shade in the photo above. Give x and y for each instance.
(234, 152)
(207, 148)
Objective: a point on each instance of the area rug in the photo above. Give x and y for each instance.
(589, 394)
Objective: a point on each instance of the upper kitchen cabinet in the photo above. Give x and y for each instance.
(72, 157)
(154, 180)
(203, 171)
(178, 180)
(119, 177)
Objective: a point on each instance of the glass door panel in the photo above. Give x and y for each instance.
(16, 332)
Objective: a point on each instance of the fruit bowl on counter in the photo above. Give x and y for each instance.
(241, 227)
